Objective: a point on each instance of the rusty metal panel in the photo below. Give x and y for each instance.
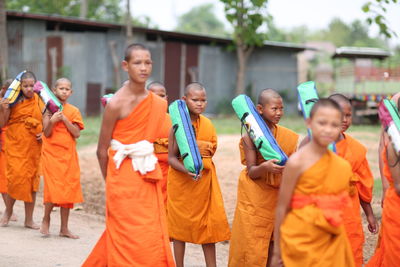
(172, 67)
(54, 55)
(93, 99)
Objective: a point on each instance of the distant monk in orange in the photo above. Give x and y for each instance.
(195, 208)
(136, 232)
(60, 161)
(23, 149)
(314, 192)
(361, 183)
(251, 243)
(387, 252)
(3, 176)
(161, 143)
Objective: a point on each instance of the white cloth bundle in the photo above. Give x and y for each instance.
(141, 153)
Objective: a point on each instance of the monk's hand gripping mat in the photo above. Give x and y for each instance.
(50, 100)
(185, 137)
(14, 90)
(257, 129)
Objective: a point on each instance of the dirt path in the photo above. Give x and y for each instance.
(20, 247)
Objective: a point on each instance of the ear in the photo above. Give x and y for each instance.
(124, 65)
(184, 98)
(166, 97)
(259, 108)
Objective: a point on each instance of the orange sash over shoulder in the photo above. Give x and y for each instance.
(22, 149)
(312, 233)
(136, 231)
(196, 211)
(161, 151)
(361, 185)
(387, 252)
(253, 223)
(61, 164)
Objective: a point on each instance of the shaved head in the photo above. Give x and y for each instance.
(151, 85)
(266, 95)
(340, 99)
(194, 87)
(133, 47)
(325, 103)
(62, 80)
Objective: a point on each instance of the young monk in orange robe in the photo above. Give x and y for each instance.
(60, 159)
(136, 232)
(252, 242)
(309, 227)
(361, 183)
(23, 149)
(161, 143)
(387, 251)
(195, 208)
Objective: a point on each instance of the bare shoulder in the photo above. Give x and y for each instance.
(296, 160)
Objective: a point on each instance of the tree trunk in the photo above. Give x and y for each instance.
(116, 64)
(84, 9)
(243, 54)
(3, 41)
(129, 35)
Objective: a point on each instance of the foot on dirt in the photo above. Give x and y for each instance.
(32, 225)
(68, 234)
(4, 220)
(13, 218)
(44, 229)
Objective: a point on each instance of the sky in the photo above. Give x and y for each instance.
(315, 14)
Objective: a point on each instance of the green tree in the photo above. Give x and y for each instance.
(247, 18)
(376, 10)
(201, 19)
(107, 10)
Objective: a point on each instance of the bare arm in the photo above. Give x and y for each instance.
(290, 177)
(256, 171)
(4, 112)
(369, 213)
(49, 120)
(107, 126)
(385, 183)
(73, 128)
(395, 170)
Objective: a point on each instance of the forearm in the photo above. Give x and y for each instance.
(4, 115)
(102, 157)
(48, 129)
(72, 128)
(177, 164)
(255, 172)
(367, 208)
(280, 215)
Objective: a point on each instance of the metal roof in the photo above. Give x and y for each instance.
(89, 24)
(361, 52)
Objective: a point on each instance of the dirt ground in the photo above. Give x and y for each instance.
(89, 222)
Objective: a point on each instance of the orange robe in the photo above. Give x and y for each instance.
(22, 149)
(161, 151)
(387, 251)
(3, 177)
(196, 211)
(60, 162)
(361, 185)
(312, 233)
(253, 223)
(136, 232)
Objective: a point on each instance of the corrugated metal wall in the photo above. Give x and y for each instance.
(87, 60)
